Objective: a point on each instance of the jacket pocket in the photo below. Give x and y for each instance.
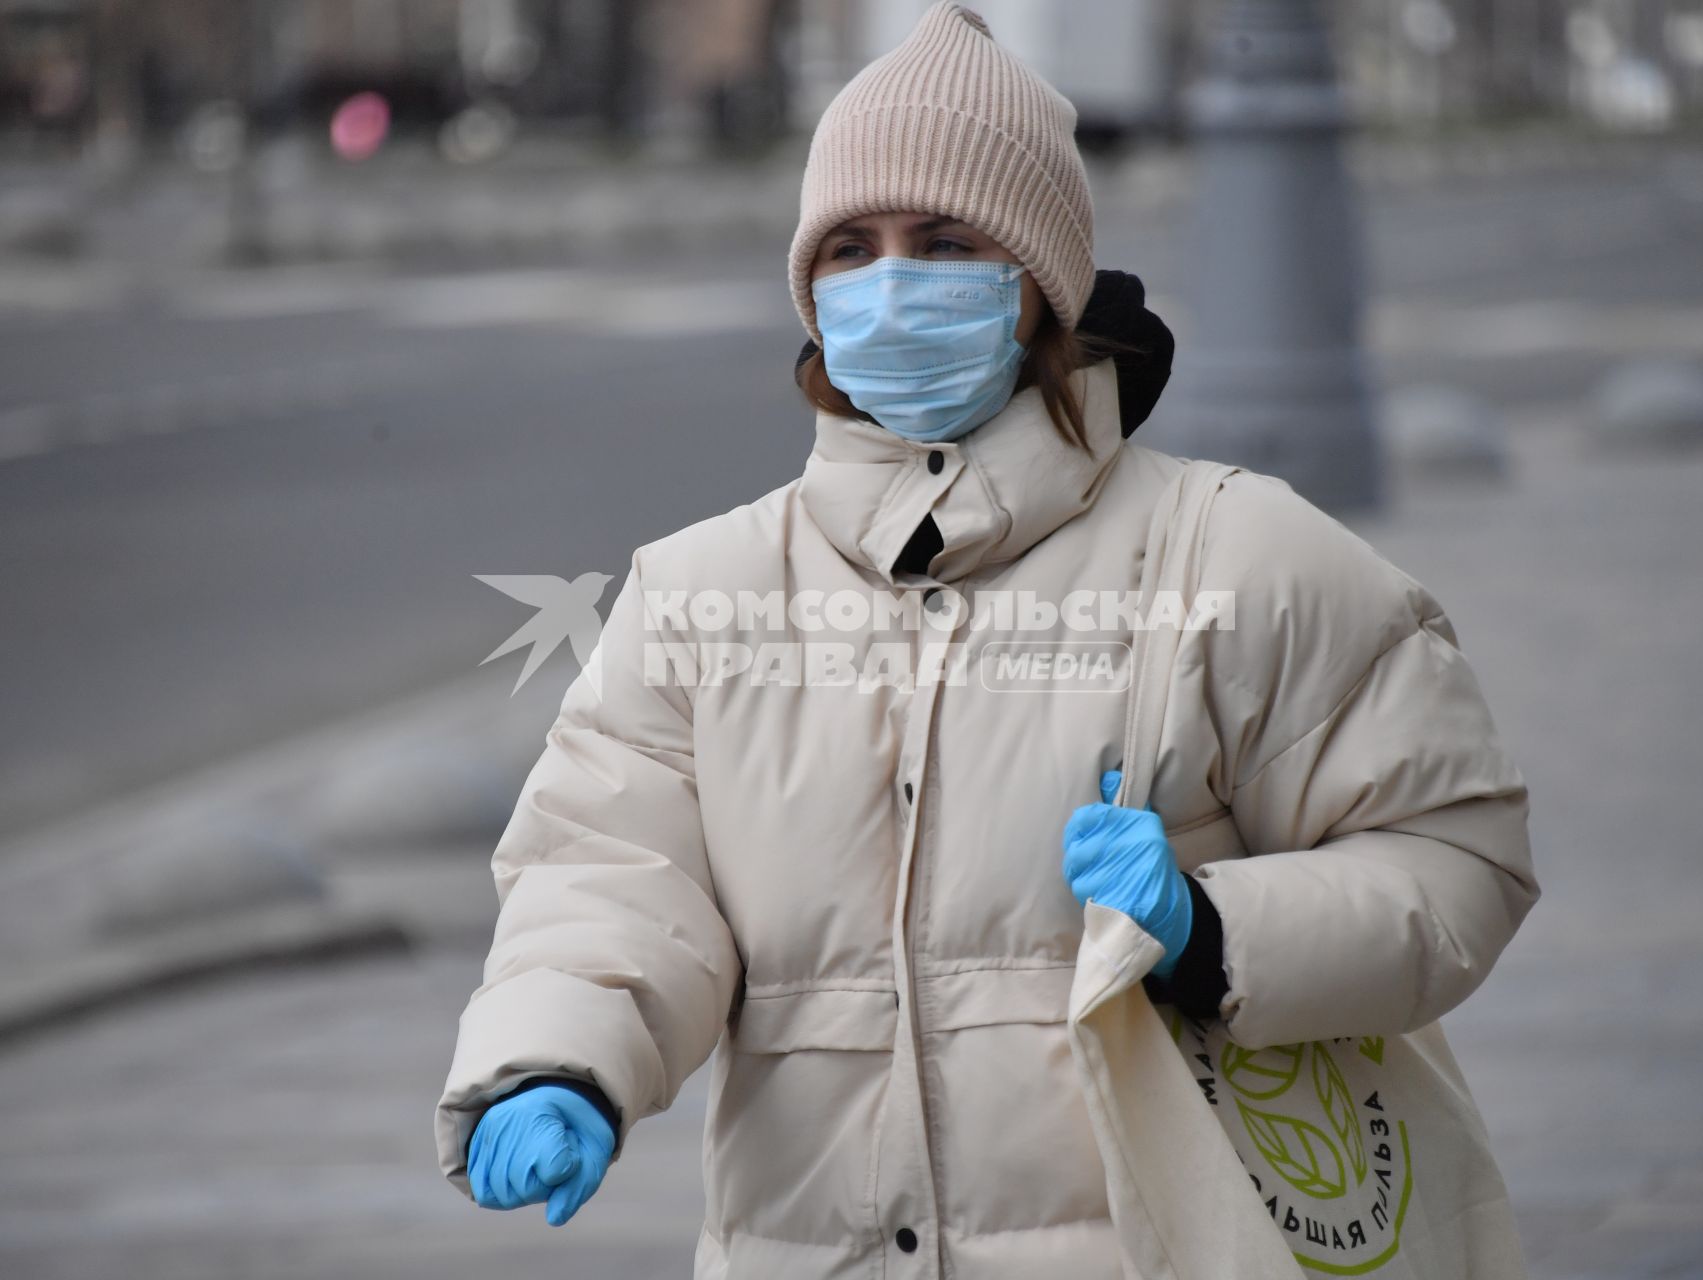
(992, 996)
(795, 1112)
(1014, 1149)
(819, 1018)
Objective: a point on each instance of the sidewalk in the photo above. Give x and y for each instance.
(279, 1125)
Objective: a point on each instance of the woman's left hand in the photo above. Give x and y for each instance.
(1119, 857)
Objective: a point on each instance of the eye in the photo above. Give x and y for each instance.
(847, 250)
(950, 246)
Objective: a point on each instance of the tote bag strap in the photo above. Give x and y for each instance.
(1171, 562)
(1181, 1202)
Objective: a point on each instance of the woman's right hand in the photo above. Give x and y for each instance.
(544, 1144)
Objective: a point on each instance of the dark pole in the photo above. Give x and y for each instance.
(118, 107)
(619, 85)
(1274, 375)
(245, 240)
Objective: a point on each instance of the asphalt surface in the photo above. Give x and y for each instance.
(177, 597)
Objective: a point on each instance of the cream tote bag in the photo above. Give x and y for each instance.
(1359, 1156)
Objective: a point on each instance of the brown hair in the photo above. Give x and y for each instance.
(1054, 354)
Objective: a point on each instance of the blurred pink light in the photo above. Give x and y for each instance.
(359, 126)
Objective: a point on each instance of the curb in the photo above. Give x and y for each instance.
(1397, 163)
(76, 936)
(95, 979)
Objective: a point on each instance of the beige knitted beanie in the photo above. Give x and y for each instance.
(951, 123)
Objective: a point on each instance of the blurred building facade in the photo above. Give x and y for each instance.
(69, 68)
(1633, 64)
(742, 72)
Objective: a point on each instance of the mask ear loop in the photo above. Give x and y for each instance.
(1014, 306)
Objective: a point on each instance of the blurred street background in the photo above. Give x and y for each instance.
(313, 310)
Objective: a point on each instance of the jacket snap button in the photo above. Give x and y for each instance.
(907, 792)
(906, 1239)
(936, 462)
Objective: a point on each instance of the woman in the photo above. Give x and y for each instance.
(834, 831)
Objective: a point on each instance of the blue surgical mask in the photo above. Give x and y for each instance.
(927, 349)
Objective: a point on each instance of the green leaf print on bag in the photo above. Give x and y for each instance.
(1301, 1153)
(1327, 1148)
(1262, 1074)
(1339, 1109)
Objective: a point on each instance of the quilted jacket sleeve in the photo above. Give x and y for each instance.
(611, 961)
(1388, 825)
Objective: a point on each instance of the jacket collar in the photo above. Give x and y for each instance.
(1004, 486)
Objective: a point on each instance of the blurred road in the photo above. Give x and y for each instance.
(290, 477)
(300, 486)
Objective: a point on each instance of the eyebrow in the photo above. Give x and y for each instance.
(916, 228)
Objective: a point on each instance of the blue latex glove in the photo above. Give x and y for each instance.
(546, 1144)
(1119, 857)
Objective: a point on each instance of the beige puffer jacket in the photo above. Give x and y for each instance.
(863, 883)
